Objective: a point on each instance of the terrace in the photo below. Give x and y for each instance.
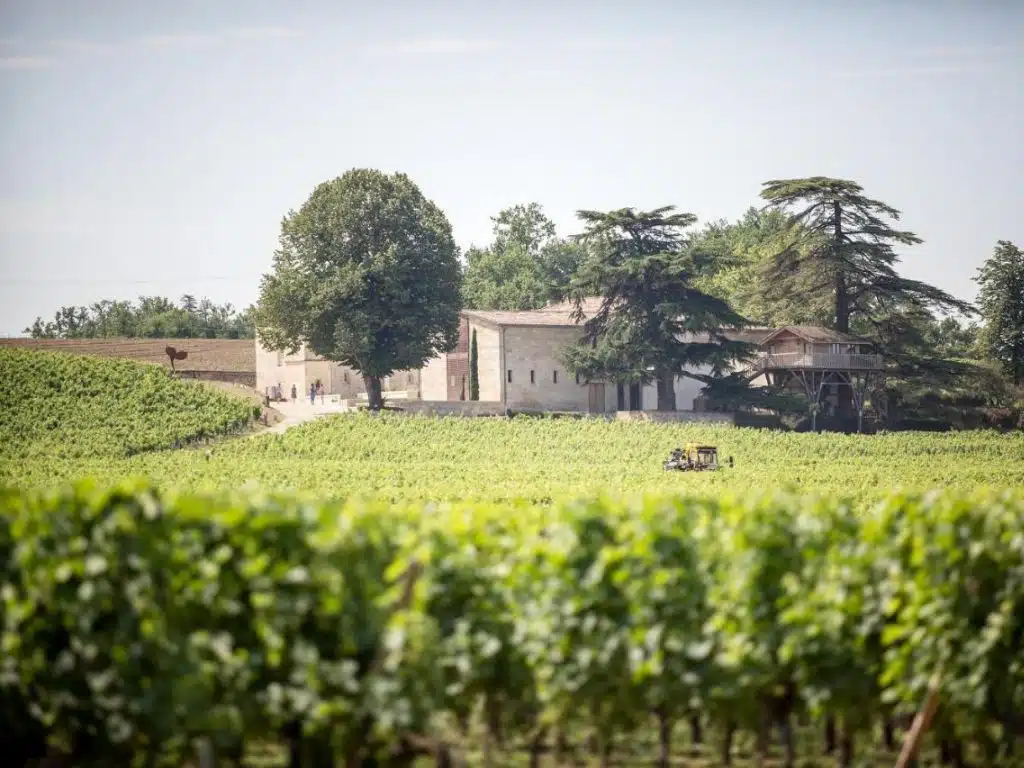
(820, 361)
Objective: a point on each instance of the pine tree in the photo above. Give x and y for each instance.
(474, 373)
(843, 255)
(652, 324)
(1001, 300)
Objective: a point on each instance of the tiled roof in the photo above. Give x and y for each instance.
(815, 333)
(559, 315)
(553, 315)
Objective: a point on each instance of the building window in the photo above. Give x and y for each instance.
(344, 377)
(554, 377)
(577, 378)
(412, 378)
(453, 381)
(533, 379)
(509, 375)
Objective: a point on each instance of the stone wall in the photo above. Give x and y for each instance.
(458, 365)
(683, 416)
(433, 378)
(246, 379)
(451, 408)
(488, 343)
(539, 379)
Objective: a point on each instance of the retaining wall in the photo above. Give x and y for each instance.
(683, 416)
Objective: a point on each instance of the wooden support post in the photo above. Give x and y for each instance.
(912, 742)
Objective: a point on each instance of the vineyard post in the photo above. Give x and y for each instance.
(921, 723)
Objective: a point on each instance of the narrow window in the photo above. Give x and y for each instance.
(509, 375)
(577, 378)
(533, 379)
(344, 377)
(554, 376)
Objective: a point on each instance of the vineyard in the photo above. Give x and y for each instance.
(136, 623)
(539, 460)
(56, 409)
(377, 590)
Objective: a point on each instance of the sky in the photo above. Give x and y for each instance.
(153, 148)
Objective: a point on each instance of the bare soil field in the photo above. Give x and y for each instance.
(234, 355)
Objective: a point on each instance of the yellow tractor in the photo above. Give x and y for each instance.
(694, 458)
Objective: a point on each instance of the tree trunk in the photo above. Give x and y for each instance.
(889, 735)
(536, 745)
(846, 747)
(696, 731)
(666, 391)
(561, 745)
(786, 729)
(664, 740)
(764, 728)
(374, 392)
(830, 734)
(842, 299)
(730, 731)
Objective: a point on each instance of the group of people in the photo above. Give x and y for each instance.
(315, 389)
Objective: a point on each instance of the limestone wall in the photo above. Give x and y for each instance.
(488, 343)
(432, 379)
(682, 416)
(451, 408)
(540, 380)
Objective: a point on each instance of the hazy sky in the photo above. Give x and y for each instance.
(154, 147)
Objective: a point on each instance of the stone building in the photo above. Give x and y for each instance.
(519, 362)
(281, 369)
(520, 366)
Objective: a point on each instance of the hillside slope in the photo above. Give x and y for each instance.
(55, 405)
(231, 355)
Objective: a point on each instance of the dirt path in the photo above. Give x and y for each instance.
(300, 412)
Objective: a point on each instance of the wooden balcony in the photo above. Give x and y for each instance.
(819, 361)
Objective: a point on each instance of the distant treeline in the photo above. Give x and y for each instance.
(153, 317)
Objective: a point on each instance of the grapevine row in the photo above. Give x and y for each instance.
(136, 621)
(57, 408)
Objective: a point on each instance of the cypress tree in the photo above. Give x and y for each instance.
(474, 374)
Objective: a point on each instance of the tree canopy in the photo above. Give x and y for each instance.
(653, 324)
(367, 275)
(736, 253)
(526, 265)
(155, 317)
(1001, 300)
(842, 250)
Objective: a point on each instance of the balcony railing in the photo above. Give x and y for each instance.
(820, 361)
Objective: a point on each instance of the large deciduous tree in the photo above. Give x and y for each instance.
(525, 267)
(367, 275)
(843, 250)
(1001, 301)
(653, 323)
(736, 254)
